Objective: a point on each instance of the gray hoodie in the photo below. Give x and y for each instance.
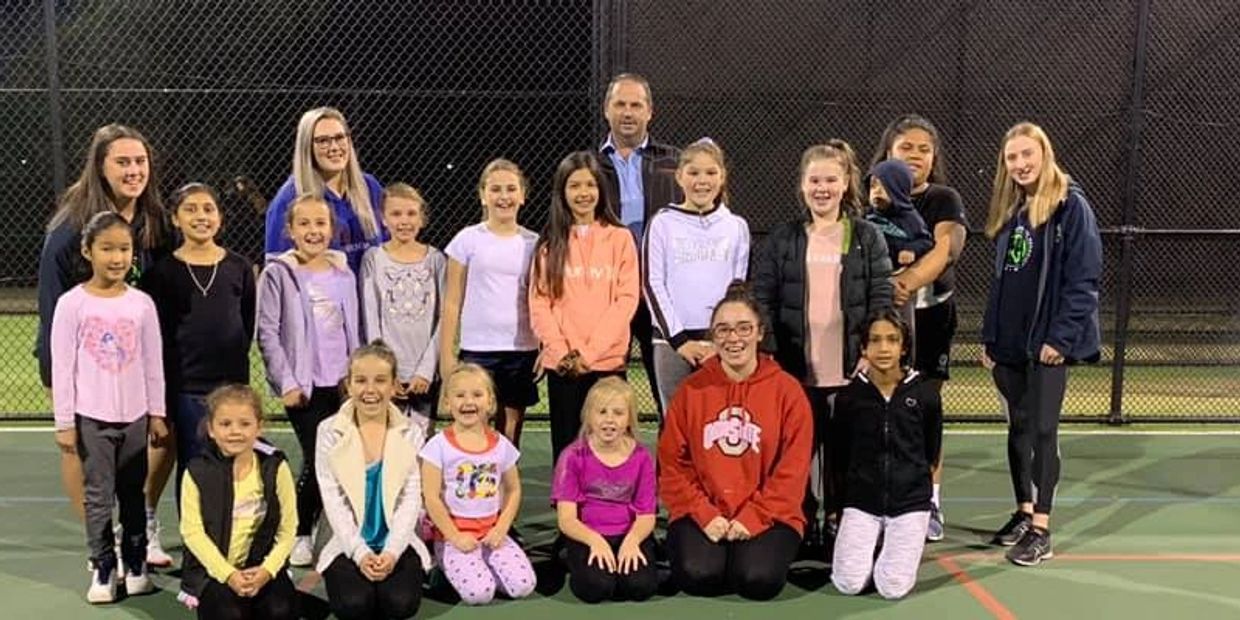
(286, 332)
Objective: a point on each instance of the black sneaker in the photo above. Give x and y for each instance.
(1033, 547)
(1014, 530)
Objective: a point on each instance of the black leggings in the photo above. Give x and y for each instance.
(1034, 396)
(592, 584)
(276, 601)
(755, 569)
(826, 497)
(565, 398)
(354, 597)
(324, 402)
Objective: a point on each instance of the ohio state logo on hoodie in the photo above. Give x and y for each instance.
(733, 432)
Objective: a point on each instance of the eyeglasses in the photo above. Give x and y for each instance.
(324, 142)
(722, 331)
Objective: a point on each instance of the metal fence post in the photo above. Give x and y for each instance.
(53, 96)
(1128, 227)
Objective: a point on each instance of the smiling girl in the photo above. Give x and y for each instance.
(583, 293)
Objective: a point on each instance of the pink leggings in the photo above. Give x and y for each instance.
(479, 574)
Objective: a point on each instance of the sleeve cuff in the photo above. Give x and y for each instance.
(752, 521)
(703, 515)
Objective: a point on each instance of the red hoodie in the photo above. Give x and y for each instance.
(740, 450)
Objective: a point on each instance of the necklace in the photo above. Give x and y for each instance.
(215, 268)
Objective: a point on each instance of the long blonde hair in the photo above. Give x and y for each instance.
(603, 392)
(308, 180)
(1007, 194)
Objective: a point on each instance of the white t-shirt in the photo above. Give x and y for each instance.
(472, 486)
(495, 315)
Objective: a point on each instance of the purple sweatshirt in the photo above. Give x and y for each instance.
(286, 332)
(109, 361)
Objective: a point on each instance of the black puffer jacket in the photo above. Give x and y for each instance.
(778, 279)
(882, 450)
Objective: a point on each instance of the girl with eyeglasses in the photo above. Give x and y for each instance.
(325, 165)
(733, 462)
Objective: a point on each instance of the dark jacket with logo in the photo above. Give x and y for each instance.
(883, 451)
(213, 475)
(779, 284)
(1067, 298)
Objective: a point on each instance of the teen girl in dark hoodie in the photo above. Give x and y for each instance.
(1042, 314)
(734, 459)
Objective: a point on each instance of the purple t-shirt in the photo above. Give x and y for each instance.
(608, 499)
(327, 291)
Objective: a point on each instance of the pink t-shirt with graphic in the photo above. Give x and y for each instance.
(608, 499)
(107, 357)
(823, 265)
(472, 485)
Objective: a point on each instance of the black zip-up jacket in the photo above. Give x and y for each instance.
(659, 162)
(883, 450)
(779, 284)
(213, 475)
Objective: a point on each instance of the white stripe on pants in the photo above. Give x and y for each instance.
(895, 572)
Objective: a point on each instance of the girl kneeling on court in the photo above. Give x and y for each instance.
(888, 432)
(367, 467)
(604, 493)
(238, 516)
(473, 492)
(734, 461)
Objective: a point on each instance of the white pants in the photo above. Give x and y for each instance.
(895, 572)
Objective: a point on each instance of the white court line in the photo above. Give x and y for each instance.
(283, 430)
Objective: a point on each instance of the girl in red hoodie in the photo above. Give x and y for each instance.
(734, 461)
(583, 293)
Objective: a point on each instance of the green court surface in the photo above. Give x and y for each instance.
(1145, 527)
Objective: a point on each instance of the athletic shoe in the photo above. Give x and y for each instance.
(1013, 530)
(103, 584)
(934, 533)
(138, 582)
(303, 552)
(1033, 547)
(155, 554)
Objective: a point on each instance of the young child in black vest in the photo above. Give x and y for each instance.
(238, 516)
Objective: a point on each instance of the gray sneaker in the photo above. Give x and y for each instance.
(934, 533)
(1033, 547)
(1013, 530)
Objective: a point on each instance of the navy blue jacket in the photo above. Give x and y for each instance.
(1067, 306)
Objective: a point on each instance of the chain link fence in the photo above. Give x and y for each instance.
(1138, 97)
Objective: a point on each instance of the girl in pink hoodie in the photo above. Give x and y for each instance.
(583, 293)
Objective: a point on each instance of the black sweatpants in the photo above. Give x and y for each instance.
(565, 398)
(592, 584)
(276, 601)
(324, 403)
(642, 330)
(354, 597)
(823, 480)
(1034, 395)
(755, 569)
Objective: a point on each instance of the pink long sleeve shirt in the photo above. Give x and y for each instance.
(106, 358)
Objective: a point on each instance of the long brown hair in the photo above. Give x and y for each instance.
(91, 194)
(1007, 194)
(552, 249)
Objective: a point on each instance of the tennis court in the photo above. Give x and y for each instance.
(1144, 528)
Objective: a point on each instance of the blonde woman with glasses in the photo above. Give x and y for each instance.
(325, 164)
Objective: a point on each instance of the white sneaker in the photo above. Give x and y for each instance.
(138, 584)
(303, 552)
(102, 587)
(155, 554)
